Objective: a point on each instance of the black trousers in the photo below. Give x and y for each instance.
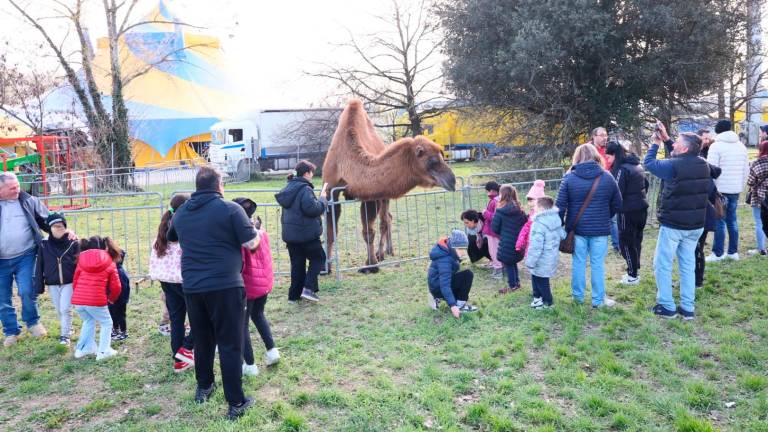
(764, 219)
(117, 312)
(301, 277)
(700, 261)
(461, 284)
(631, 226)
(177, 315)
(541, 289)
(255, 312)
(476, 254)
(216, 317)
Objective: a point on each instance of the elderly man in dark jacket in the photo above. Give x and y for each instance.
(211, 232)
(682, 214)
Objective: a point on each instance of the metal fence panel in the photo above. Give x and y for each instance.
(475, 195)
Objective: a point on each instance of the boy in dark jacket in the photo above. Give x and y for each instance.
(118, 309)
(445, 280)
(55, 267)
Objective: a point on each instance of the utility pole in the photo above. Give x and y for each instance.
(754, 117)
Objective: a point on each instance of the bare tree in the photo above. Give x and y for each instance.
(397, 70)
(312, 133)
(23, 91)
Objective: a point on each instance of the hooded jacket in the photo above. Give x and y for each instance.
(125, 284)
(96, 280)
(728, 153)
(633, 185)
(210, 232)
(257, 269)
(56, 262)
(596, 220)
(444, 263)
(301, 211)
(488, 214)
(507, 223)
(758, 181)
(544, 243)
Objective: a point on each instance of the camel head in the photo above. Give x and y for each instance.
(429, 166)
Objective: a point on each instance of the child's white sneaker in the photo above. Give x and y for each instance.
(433, 302)
(272, 357)
(250, 370)
(629, 280)
(537, 302)
(110, 352)
(88, 351)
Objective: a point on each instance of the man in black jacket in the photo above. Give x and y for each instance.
(211, 232)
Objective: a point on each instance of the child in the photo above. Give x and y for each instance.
(536, 192)
(258, 278)
(117, 310)
(492, 188)
(507, 223)
(444, 278)
(56, 267)
(478, 246)
(165, 266)
(94, 284)
(544, 250)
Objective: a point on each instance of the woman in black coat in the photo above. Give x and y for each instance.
(507, 223)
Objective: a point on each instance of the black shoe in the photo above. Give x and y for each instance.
(663, 312)
(202, 395)
(309, 295)
(236, 411)
(687, 316)
(120, 336)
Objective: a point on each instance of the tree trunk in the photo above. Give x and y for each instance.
(721, 100)
(120, 154)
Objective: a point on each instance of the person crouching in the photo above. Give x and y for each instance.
(445, 280)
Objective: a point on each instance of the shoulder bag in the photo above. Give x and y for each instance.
(567, 245)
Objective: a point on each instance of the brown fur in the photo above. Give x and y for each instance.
(375, 173)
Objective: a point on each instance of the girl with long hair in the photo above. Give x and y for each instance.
(507, 223)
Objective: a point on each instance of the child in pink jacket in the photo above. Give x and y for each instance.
(536, 192)
(258, 279)
(492, 188)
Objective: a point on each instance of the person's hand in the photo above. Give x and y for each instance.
(479, 243)
(662, 131)
(455, 311)
(72, 236)
(657, 139)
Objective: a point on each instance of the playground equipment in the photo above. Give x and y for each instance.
(44, 162)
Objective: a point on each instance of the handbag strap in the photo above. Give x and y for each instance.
(587, 201)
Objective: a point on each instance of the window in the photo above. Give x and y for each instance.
(236, 134)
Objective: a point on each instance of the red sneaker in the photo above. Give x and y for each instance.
(185, 355)
(181, 366)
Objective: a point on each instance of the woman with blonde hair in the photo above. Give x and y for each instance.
(588, 198)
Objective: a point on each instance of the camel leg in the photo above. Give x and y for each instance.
(330, 234)
(368, 212)
(385, 231)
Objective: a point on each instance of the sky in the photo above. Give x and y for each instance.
(268, 45)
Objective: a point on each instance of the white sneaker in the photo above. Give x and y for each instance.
(88, 351)
(537, 301)
(111, 352)
(609, 302)
(250, 370)
(272, 357)
(714, 258)
(733, 256)
(434, 303)
(629, 280)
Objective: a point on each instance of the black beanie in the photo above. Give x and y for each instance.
(722, 126)
(247, 204)
(56, 218)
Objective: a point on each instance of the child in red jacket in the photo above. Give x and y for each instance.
(258, 279)
(95, 284)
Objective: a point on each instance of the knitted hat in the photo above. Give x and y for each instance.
(537, 190)
(247, 204)
(722, 126)
(54, 218)
(458, 240)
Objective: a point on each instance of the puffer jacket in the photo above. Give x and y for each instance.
(488, 214)
(596, 220)
(633, 184)
(444, 263)
(56, 262)
(758, 181)
(544, 243)
(521, 245)
(728, 153)
(507, 223)
(301, 211)
(166, 268)
(257, 269)
(96, 281)
(125, 285)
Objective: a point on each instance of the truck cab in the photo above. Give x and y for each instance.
(233, 143)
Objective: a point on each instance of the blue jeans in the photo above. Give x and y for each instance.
(22, 270)
(730, 221)
(90, 316)
(681, 243)
(596, 247)
(615, 232)
(759, 233)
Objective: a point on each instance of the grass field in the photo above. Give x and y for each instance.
(373, 357)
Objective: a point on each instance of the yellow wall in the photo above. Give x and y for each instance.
(466, 126)
(144, 155)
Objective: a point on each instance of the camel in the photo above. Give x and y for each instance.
(375, 173)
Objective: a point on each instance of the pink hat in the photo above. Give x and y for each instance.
(537, 190)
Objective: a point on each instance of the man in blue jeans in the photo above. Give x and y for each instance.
(730, 154)
(682, 215)
(21, 218)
